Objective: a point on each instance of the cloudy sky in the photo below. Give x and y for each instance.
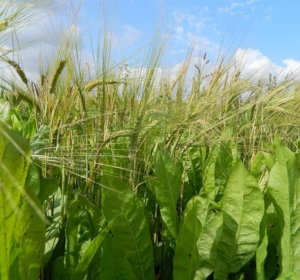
(264, 33)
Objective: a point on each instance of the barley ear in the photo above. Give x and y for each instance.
(18, 69)
(56, 74)
(95, 83)
(3, 25)
(82, 101)
(28, 99)
(42, 79)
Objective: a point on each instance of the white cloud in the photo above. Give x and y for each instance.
(37, 38)
(236, 7)
(268, 18)
(193, 20)
(190, 26)
(41, 40)
(256, 65)
(128, 37)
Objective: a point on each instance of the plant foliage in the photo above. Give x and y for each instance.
(118, 174)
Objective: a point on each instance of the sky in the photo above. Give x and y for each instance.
(263, 34)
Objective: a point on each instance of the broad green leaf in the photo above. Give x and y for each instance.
(90, 252)
(226, 161)
(188, 193)
(209, 184)
(59, 271)
(14, 153)
(39, 141)
(289, 276)
(29, 232)
(82, 226)
(131, 230)
(114, 264)
(55, 234)
(186, 259)
(195, 166)
(5, 112)
(261, 159)
(274, 232)
(211, 219)
(14, 260)
(266, 255)
(260, 167)
(243, 209)
(33, 178)
(167, 190)
(17, 122)
(52, 237)
(48, 188)
(284, 188)
(261, 252)
(25, 126)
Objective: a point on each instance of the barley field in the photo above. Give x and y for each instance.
(132, 173)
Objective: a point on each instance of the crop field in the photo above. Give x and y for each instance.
(115, 175)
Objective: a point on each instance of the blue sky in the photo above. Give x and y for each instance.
(272, 27)
(264, 32)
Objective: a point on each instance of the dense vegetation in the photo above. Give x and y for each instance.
(132, 174)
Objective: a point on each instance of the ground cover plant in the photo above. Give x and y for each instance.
(145, 176)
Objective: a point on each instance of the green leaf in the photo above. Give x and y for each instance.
(131, 230)
(167, 190)
(52, 237)
(5, 112)
(274, 232)
(47, 188)
(14, 155)
(211, 219)
(195, 166)
(260, 167)
(39, 141)
(90, 252)
(186, 259)
(243, 209)
(262, 250)
(289, 276)
(82, 226)
(33, 178)
(58, 270)
(209, 184)
(284, 188)
(226, 161)
(261, 159)
(29, 232)
(17, 123)
(114, 264)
